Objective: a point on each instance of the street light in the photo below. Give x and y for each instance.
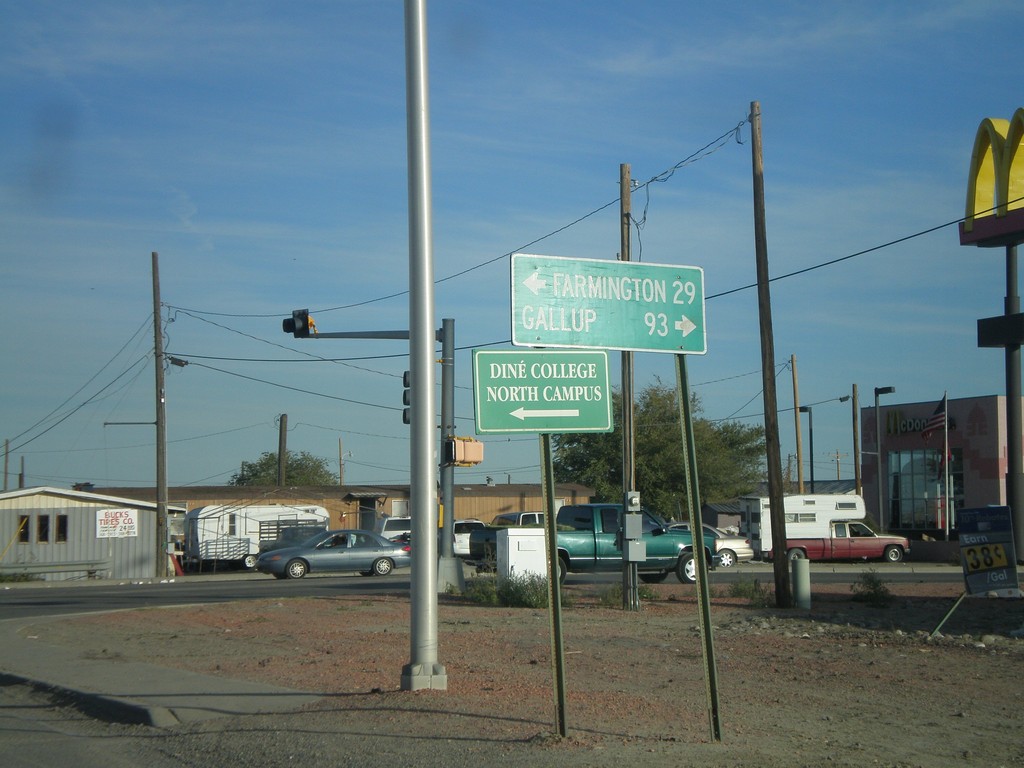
(810, 434)
(878, 455)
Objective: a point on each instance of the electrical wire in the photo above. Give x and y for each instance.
(661, 177)
(43, 420)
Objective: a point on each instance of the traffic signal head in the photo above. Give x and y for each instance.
(299, 324)
(406, 397)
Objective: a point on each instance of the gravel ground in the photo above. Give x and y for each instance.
(844, 684)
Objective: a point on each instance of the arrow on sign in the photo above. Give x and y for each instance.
(535, 282)
(522, 413)
(686, 325)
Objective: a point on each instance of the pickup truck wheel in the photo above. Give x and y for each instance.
(893, 554)
(249, 562)
(563, 568)
(654, 578)
(686, 569)
(296, 569)
(727, 558)
(796, 554)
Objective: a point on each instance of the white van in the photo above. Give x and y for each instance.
(393, 527)
(807, 517)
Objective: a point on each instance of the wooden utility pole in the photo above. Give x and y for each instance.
(282, 450)
(341, 464)
(630, 589)
(838, 457)
(783, 592)
(162, 559)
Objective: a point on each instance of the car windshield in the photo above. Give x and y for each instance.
(312, 541)
(658, 519)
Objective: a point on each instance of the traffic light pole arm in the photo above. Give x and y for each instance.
(369, 335)
(363, 335)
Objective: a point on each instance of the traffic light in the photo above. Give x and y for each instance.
(407, 397)
(299, 324)
(463, 452)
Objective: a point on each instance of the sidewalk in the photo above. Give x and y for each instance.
(122, 691)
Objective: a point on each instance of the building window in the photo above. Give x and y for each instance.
(917, 489)
(43, 529)
(62, 529)
(23, 531)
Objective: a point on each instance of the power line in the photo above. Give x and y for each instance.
(664, 176)
(92, 378)
(297, 389)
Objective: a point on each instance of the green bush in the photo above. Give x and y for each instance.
(751, 590)
(611, 596)
(482, 590)
(870, 589)
(19, 577)
(528, 590)
(517, 591)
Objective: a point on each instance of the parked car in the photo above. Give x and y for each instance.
(392, 527)
(292, 536)
(336, 552)
(729, 549)
(463, 528)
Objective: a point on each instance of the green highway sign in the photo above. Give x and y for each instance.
(520, 390)
(605, 304)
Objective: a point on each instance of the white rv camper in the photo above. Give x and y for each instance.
(807, 517)
(232, 533)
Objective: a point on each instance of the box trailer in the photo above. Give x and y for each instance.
(231, 533)
(807, 517)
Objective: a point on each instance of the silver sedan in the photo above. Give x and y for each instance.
(336, 552)
(728, 548)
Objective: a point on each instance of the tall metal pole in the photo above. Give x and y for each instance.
(858, 486)
(449, 567)
(630, 590)
(796, 426)
(161, 569)
(879, 463)
(1014, 467)
(810, 439)
(423, 669)
(783, 592)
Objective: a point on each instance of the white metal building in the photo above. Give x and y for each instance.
(59, 534)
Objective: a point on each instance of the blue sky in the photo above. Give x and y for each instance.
(260, 148)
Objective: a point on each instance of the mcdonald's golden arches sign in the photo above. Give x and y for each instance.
(995, 186)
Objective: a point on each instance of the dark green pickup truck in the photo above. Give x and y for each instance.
(589, 541)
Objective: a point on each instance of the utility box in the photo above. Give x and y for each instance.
(521, 552)
(636, 551)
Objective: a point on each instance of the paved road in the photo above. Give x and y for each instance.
(37, 599)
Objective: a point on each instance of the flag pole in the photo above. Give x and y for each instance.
(945, 458)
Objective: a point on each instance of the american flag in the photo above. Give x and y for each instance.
(937, 420)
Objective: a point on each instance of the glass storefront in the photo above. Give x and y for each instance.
(917, 493)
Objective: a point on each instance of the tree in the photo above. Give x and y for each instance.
(300, 469)
(730, 455)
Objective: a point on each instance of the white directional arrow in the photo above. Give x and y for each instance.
(523, 413)
(686, 325)
(535, 282)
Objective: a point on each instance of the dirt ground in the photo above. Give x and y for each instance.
(845, 683)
